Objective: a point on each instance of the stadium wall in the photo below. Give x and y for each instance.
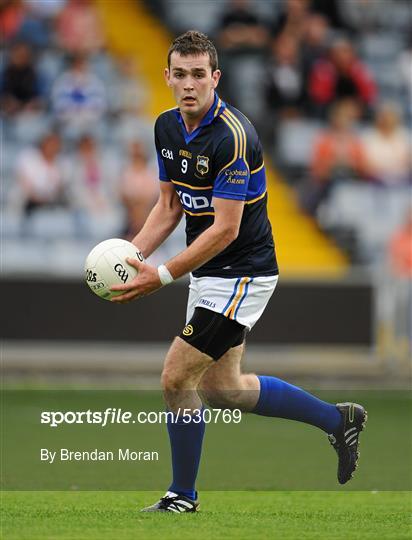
(328, 312)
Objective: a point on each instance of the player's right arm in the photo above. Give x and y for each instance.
(161, 222)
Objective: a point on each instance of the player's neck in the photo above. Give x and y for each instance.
(193, 122)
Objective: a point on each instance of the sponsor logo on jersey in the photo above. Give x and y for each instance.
(235, 181)
(168, 154)
(185, 154)
(188, 330)
(193, 202)
(235, 172)
(202, 165)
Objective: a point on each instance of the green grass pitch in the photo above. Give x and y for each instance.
(289, 456)
(223, 515)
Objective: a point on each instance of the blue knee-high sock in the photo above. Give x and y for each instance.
(186, 446)
(283, 400)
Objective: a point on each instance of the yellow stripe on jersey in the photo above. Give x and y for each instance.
(257, 198)
(242, 142)
(219, 103)
(236, 138)
(189, 186)
(242, 129)
(230, 312)
(258, 169)
(199, 214)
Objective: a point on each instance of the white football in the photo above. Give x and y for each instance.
(106, 266)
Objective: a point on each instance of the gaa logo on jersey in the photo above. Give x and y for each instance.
(166, 153)
(202, 165)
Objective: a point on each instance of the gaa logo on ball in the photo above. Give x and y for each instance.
(106, 266)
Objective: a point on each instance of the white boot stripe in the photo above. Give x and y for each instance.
(184, 503)
(349, 430)
(353, 436)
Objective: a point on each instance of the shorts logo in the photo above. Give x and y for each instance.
(207, 303)
(202, 165)
(188, 330)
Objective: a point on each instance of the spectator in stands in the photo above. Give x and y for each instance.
(293, 19)
(405, 76)
(366, 16)
(285, 91)
(78, 95)
(47, 9)
(331, 10)
(240, 28)
(33, 28)
(388, 148)
(337, 155)
(400, 249)
(130, 91)
(342, 75)
(19, 21)
(314, 40)
(21, 89)
(39, 175)
(138, 188)
(78, 28)
(85, 177)
(12, 14)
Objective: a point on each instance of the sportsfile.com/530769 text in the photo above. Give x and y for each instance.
(112, 415)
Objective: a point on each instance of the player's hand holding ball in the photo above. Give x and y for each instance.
(112, 263)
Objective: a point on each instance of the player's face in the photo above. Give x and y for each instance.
(192, 82)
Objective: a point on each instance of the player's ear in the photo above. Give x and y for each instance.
(216, 77)
(167, 76)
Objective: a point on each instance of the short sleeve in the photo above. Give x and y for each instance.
(162, 169)
(232, 169)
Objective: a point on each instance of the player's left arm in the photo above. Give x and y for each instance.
(223, 231)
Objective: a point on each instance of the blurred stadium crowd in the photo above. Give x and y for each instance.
(327, 82)
(77, 152)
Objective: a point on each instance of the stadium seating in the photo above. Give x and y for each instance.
(351, 205)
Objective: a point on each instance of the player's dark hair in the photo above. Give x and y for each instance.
(194, 43)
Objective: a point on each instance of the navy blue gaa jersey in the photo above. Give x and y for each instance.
(221, 158)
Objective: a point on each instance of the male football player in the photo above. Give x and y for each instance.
(211, 169)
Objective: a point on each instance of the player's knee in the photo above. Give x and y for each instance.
(219, 397)
(171, 381)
